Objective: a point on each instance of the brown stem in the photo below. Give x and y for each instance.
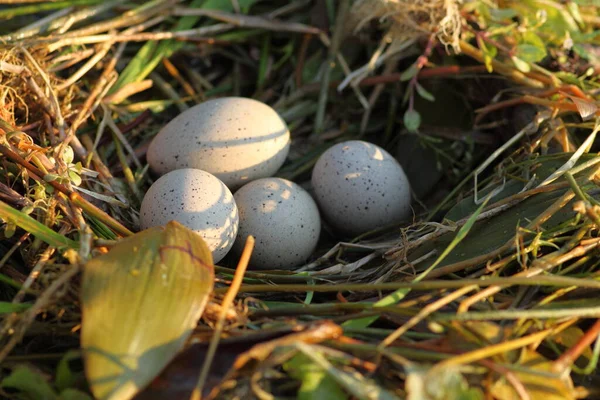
(74, 197)
(569, 356)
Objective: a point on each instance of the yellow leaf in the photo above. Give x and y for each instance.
(140, 303)
(540, 383)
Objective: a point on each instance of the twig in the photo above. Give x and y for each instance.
(74, 197)
(544, 280)
(201, 32)
(248, 21)
(563, 363)
(42, 302)
(225, 305)
(103, 50)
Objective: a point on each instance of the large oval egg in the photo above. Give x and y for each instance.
(360, 187)
(284, 220)
(236, 139)
(197, 200)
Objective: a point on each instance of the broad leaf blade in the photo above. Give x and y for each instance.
(29, 384)
(140, 303)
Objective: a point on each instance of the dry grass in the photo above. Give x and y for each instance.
(489, 289)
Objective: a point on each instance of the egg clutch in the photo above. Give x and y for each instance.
(237, 144)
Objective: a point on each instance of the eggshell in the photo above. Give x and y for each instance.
(284, 220)
(197, 200)
(236, 139)
(359, 187)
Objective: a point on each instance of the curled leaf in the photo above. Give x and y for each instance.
(587, 109)
(140, 303)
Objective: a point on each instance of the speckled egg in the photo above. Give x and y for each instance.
(359, 187)
(197, 200)
(283, 219)
(236, 139)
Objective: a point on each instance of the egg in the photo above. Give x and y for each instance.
(283, 219)
(236, 139)
(359, 187)
(197, 200)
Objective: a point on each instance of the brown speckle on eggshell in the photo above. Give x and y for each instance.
(284, 220)
(360, 187)
(197, 200)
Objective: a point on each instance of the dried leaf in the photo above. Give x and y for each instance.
(586, 109)
(140, 303)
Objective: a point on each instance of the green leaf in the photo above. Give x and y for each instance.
(530, 53)
(520, 64)
(489, 53)
(30, 384)
(152, 53)
(316, 384)
(8, 308)
(409, 73)
(37, 229)
(263, 65)
(75, 178)
(558, 19)
(412, 120)
(573, 8)
(500, 14)
(133, 71)
(140, 303)
(65, 378)
(424, 93)
(9, 281)
(531, 37)
(356, 384)
(68, 155)
(74, 394)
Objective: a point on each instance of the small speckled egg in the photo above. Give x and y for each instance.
(283, 219)
(197, 200)
(359, 187)
(236, 139)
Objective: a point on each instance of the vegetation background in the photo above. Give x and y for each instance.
(489, 105)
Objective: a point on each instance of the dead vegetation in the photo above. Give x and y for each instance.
(489, 292)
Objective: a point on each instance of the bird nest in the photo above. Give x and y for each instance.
(487, 291)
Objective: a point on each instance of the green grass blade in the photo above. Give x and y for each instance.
(152, 53)
(401, 293)
(316, 384)
(12, 12)
(37, 229)
(8, 308)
